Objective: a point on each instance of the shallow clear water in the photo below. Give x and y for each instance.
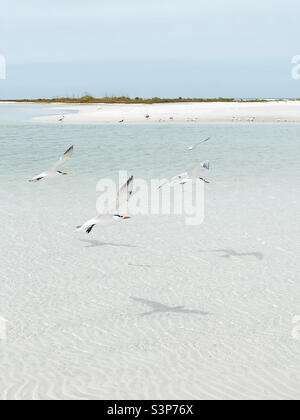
(68, 298)
(12, 112)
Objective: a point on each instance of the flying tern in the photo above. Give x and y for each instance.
(111, 213)
(198, 144)
(189, 176)
(54, 171)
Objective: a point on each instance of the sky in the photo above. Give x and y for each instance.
(171, 48)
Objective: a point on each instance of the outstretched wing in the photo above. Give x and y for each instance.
(175, 180)
(198, 144)
(125, 193)
(65, 157)
(123, 197)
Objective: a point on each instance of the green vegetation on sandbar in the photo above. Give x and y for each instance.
(88, 99)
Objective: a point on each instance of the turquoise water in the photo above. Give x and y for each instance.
(251, 163)
(149, 151)
(74, 329)
(254, 166)
(12, 113)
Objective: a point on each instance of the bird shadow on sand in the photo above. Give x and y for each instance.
(95, 244)
(161, 308)
(229, 253)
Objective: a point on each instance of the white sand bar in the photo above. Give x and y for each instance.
(272, 111)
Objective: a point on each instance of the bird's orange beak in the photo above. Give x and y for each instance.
(126, 217)
(65, 173)
(207, 182)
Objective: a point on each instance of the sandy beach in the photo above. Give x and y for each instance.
(223, 112)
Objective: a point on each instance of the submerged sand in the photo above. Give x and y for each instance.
(150, 309)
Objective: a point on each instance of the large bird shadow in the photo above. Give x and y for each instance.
(95, 244)
(161, 308)
(229, 253)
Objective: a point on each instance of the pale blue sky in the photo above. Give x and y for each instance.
(149, 48)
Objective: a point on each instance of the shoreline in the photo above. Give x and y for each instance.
(189, 112)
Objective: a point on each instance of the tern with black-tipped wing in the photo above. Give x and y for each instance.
(189, 176)
(54, 171)
(110, 214)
